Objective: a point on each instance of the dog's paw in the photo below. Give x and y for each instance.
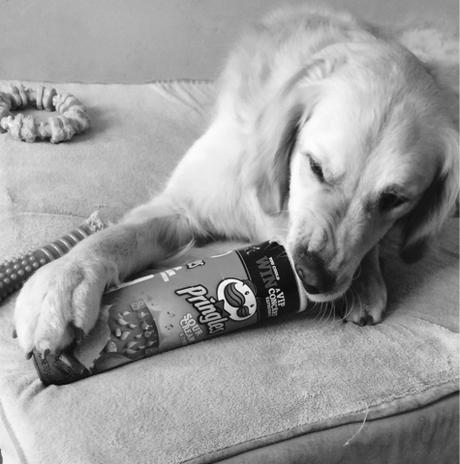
(364, 309)
(59, 300)
(366, 301)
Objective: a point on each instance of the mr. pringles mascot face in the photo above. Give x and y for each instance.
(238, 298)
(234, 300)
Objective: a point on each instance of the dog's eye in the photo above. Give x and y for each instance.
(316, 168)
(390, 200)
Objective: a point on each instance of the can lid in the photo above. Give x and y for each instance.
(58, 370)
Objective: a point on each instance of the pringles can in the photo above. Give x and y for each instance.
(201, 299)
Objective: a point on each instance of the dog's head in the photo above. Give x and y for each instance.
(359, 141)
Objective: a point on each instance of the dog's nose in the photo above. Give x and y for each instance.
(314, 275)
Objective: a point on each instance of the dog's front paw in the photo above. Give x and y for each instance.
(366, 302)
(60, 299)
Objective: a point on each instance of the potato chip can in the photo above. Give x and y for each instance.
(185, 304)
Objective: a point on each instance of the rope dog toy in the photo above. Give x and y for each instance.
(71, 118)
(15, 271)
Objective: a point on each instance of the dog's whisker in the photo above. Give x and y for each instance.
(321, 314)
(314, 309)
(334, 315)
(329, 311)
(353, 301)
(349, 305)
(357, 273)
(326, 311)
(345, 298)
(361, 306)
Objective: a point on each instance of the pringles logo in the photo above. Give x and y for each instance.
(236, 300)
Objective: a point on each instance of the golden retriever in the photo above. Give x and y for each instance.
(327, 134)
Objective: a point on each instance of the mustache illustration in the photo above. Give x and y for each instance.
(233, 296)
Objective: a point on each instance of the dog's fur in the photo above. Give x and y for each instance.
(327, 134)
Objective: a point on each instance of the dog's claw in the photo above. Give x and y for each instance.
(28, 355)
(367, 319)
(14, 334)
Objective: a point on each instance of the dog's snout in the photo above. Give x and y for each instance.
(313, 273)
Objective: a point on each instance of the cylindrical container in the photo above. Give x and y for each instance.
(179, 306)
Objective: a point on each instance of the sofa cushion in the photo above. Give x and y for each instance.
(228, 395)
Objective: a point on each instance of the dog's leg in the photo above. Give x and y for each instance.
(64, 296)
(367, 298)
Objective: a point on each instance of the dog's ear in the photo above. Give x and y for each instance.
(426, 219)
(276, 130)
(272, 182)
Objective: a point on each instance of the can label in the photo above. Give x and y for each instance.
(182, 305)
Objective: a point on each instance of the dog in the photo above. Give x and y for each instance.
(327, 134)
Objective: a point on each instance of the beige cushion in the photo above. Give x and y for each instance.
(223, 396)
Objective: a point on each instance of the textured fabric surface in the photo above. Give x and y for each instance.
(221, 397)
(427, 435)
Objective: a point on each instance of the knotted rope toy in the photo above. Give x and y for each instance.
(71, 116)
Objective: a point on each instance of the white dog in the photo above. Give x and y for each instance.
(326, 135)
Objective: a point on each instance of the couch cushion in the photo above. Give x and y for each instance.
(223, 396)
